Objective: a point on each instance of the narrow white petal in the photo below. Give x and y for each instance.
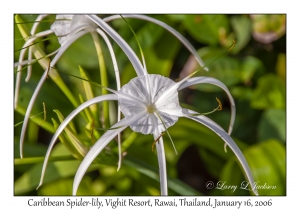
(32, 32)
(181, 38)
(162, 164)
(228, 140)
(30, 62)
(40, 84)
(99, 146)
(36, 23)
(117, 73)
(119, 40)
(209, 80)
(113, 57)
(28, 110)
(29, 67)
(93, 153)
(67, 121)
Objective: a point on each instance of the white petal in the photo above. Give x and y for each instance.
(144, 125)
(99, 146)
(119, 40)
(113, 57)
(162, 164)
(137, 88)
(228, 140)
(67, 121)
(209, 80)
(181, 38)
(28, 110)
(30, 62)
(62, 26)
(80, 20)
(118, 81)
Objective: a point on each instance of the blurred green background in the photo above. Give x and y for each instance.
(254, 71)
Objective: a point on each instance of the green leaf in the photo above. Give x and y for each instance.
(80, 147)
(269, 93)
(250, 66)
(63, 187)
(213, 163)
(268, 165)
(29, 150)
(206, 28)
(62, 118)
(242, 28)
(242, 93)
(272, 125)
(88, 90)
(66, 142)
(231, 175)
(55, 170)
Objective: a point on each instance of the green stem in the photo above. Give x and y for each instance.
(32, 160)
(104, 82)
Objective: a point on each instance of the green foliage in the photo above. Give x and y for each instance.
(269, 93)
(268, 165)
(254, 71)
(206, 28)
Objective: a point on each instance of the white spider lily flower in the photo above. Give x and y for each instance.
(69, 28)
(150, 105)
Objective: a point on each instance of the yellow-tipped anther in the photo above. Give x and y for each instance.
(156, 140)
(232, 46)
(220, 105)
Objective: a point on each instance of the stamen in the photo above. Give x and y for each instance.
(156, 140)
(48, 68)
(19, 123)
(34, 43)
(218, 108)
(44, 107)
(220, 104)
(167, 131)
(232, 46)
(92, 130)
(139, 45)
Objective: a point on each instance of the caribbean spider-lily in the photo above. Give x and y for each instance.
(150, 105)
